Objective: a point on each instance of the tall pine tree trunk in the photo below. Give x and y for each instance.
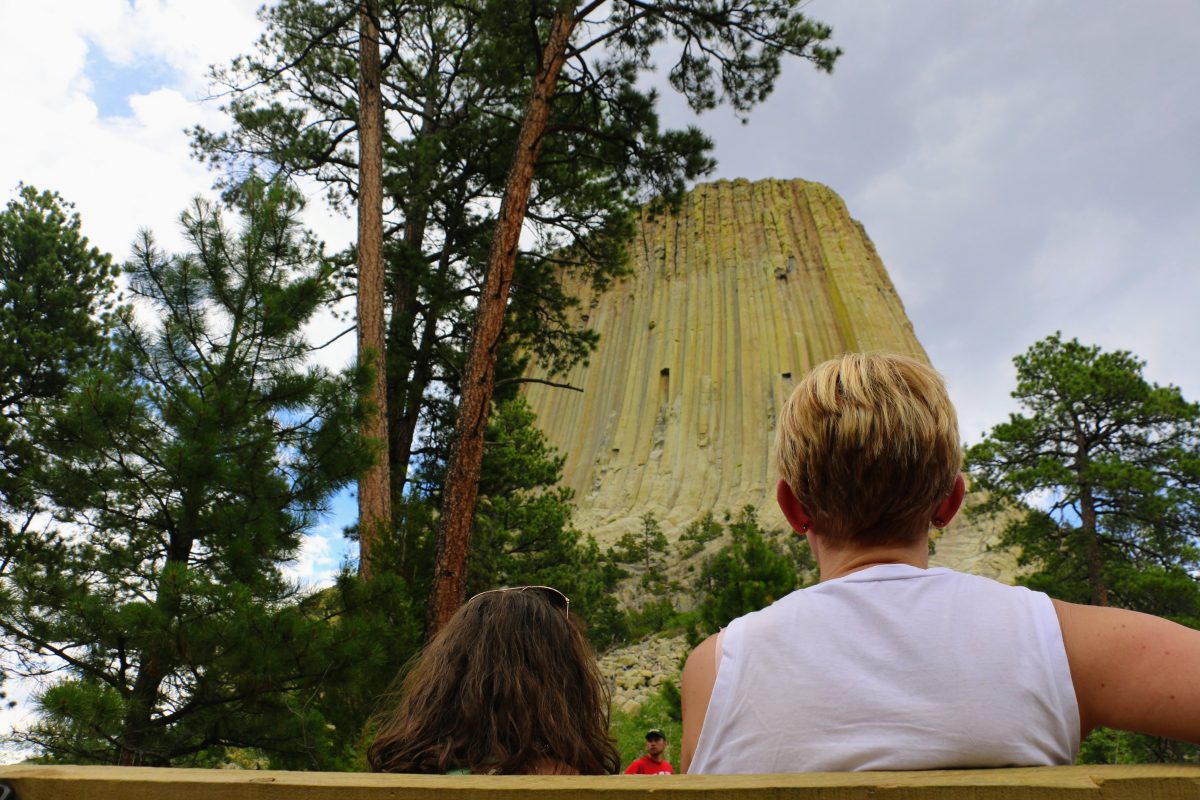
(462, 476)
(410, 397)
(400, 364)
(374, 487)
(1095, 558)
(156, 661)
(408, 361)
(1088, 521)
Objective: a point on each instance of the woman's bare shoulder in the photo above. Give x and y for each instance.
(1132, 671)
(699, 675)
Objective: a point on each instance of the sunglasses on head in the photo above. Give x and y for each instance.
(554, 596)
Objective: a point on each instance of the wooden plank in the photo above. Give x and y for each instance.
(1149, 782)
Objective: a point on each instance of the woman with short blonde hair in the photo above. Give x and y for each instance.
(888, 664)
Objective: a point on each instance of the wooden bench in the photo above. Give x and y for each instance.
(1150, 782)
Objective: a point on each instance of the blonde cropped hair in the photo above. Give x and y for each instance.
(869, 445)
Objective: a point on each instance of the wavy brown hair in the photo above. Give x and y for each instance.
(509, 686)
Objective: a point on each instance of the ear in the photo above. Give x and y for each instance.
(950, 506)
(793, 512)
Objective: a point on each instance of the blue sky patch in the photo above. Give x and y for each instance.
(113, 84)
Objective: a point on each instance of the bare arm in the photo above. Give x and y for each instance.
(699, 674)
(1131, 671)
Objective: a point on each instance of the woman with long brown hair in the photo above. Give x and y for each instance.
(509, 686)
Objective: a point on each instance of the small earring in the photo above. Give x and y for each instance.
(938, 522)
(804, 528)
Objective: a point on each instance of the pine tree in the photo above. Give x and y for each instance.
(450, 88)
(374, 486)
(754, 570)
(56, 293)
(181, 473)
(1107, 468)
(696, 535)
(1102, 468)
(525, 531)
(647, 549)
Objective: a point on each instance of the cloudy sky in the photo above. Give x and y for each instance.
(1023, 167)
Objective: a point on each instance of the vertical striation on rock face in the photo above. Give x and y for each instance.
(729, 302)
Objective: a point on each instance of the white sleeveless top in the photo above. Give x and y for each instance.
(892, 668)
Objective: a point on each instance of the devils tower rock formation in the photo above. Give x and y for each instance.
(729, 302)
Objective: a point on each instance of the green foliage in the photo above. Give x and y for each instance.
(659, 711)
(1104, 469)
(754, 570)
(523, 533)
(1107, 746)
(698, 534)
(646, 549)
(55, 299)
(181, 471)
(658, 615)
(375, 628)
(674, 700)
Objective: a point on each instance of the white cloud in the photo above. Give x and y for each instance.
(186, 34)
(16, 717)
(134, 170)
(128, 172)
(321, 555)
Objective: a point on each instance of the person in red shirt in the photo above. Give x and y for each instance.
(653, 762)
